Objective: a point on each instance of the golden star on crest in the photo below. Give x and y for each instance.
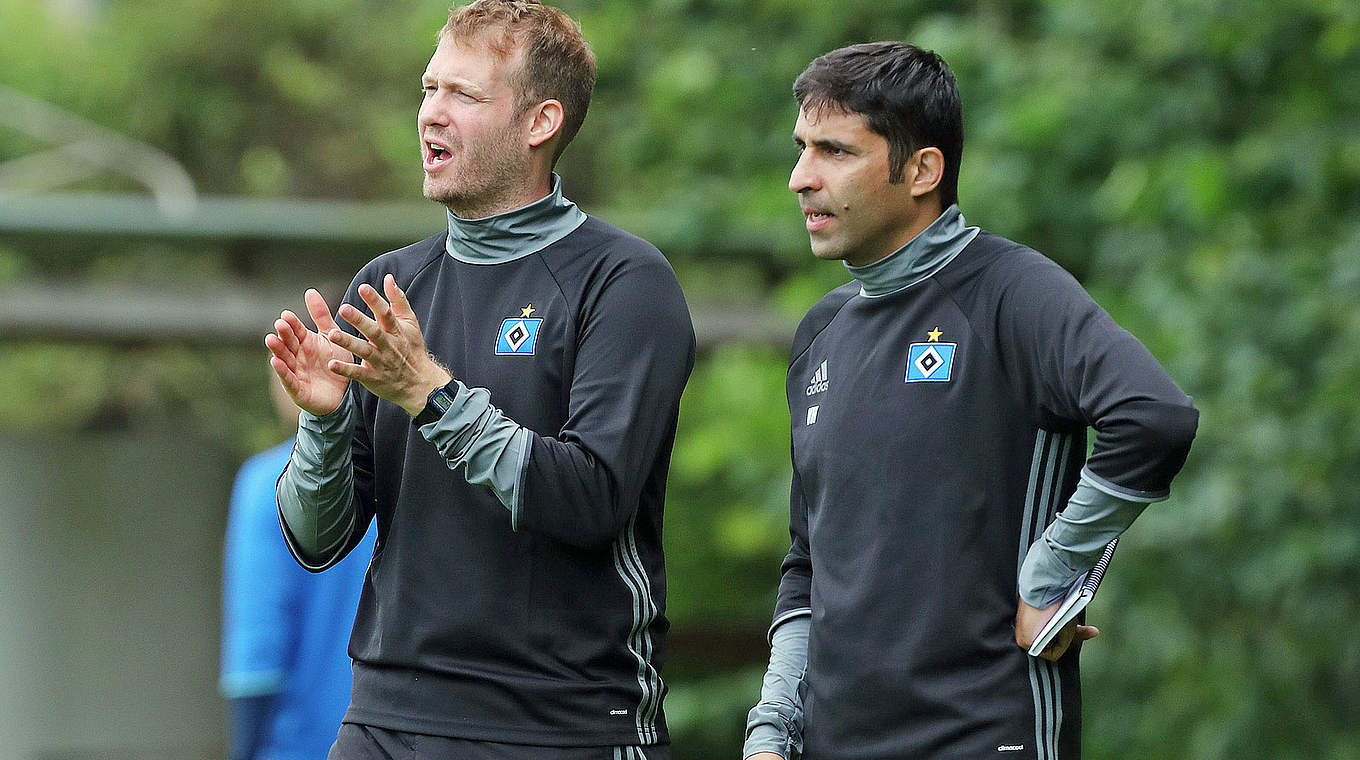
(527, 310)
(934, 335)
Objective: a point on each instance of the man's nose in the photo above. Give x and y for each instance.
(803, 178)
(431, 112)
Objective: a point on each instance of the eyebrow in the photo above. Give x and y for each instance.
(464, 85)
(825, 143)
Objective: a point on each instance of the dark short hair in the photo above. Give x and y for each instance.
(905, 94)
(557, 62)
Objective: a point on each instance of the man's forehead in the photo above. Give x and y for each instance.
(501, 39)
(828, 118)
(470, 57)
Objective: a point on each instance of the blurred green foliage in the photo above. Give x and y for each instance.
(1195, 162)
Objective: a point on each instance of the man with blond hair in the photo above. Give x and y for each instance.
(502, 401)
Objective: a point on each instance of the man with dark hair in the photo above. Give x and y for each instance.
(942, 501)
(502, 402)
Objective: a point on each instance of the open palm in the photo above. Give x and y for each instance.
(300, 357)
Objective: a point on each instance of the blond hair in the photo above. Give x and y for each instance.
(557, 62)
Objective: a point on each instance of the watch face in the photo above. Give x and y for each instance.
(439, 402)
(442, 400)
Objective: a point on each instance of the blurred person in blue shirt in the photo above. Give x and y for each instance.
(285, 632)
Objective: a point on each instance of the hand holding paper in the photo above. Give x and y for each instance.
(1061, 629)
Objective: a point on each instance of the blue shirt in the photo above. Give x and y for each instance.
(285, 631)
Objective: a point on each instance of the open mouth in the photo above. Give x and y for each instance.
(816, 220)
(436, 155)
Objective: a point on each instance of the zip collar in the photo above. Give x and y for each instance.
(514, 234)
(922, 256)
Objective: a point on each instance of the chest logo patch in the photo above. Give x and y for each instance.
(519, 334)
(932, 361)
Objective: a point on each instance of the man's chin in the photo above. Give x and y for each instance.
(827, 252)
(454, 203)
(437, 194)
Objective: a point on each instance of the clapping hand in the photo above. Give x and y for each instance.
(392, 360)
(301, 357)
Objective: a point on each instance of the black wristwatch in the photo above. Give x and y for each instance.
(438, 402)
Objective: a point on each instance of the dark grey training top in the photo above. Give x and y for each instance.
(542, 625)
(938, 424)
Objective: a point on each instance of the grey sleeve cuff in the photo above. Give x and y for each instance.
(316, 491)
(775, 723)
(492, 449)
(1073, 542)
(1118, 491)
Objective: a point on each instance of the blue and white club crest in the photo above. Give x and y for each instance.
(518, 334)
(930, 362)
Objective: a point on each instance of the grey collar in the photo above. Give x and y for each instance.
(922, 256)
(514, 234)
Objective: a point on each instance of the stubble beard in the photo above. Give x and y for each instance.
(480, 182)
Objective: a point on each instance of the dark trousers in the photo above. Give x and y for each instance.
(359, 742)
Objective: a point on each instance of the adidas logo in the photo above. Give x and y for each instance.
(821, 380)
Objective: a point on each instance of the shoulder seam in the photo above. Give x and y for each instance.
(431, 255)
(437, 249)
(991, 347)
(572, 307)
(820, 330)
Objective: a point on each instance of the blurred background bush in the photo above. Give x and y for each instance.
(1196, 163)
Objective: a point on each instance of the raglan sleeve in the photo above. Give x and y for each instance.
(795, 577)
(774, 724)
(1086, 370)
(326, 493)
(634, 352)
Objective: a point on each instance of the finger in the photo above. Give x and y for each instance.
(287, 335)
(286, 376)
(357, 346)
(319, 311)
(361, 373)
(280, 369)
(362, 322)
(400, 305)
(1060, 643)
(382, 313)
(295, 325)
(1057, 649)
(279, 348)
(1087, 632)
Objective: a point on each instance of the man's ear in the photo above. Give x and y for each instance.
(925, 171)
(545, 122)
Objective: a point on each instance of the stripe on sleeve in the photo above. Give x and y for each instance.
(629, 566)
(1047, 473)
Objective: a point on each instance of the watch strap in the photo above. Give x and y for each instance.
(439, 401)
